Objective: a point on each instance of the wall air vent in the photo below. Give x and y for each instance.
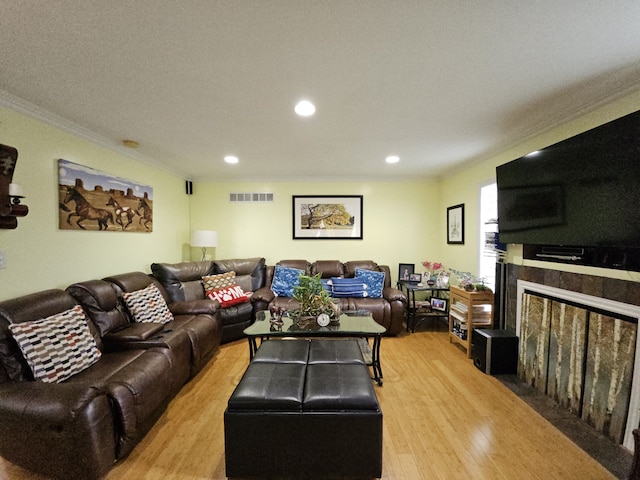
(251, 197)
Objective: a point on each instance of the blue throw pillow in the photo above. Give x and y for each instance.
(373, 280)
(284, 279)
(348, 287)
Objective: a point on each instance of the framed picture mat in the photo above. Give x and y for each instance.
(327, 217)
(405, 270)
(455, 224)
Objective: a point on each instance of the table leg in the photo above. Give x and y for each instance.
(375, 359)
(412, 311)
(252, 347)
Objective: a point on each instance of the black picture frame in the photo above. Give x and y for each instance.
(405, 270)
(439, 304)
(455, 224)
(339, 217)
(415, 277)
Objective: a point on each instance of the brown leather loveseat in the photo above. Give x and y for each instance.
(388, 309)
(80, 425)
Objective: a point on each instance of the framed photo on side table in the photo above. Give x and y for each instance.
(405, 270)
(455, 224)
(439, 304)
(415, 277)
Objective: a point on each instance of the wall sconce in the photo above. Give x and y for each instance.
(10, 193)
(204, 239)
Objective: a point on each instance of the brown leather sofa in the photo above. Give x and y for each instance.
(388, 311)
(78, 428)
(183, 282)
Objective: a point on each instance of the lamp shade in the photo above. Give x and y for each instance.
(15, 190)
(204, 238)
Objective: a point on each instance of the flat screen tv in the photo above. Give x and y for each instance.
(583, 191)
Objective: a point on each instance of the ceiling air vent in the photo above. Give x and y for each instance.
(251, 197)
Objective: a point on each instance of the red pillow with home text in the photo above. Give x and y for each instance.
(228, 296)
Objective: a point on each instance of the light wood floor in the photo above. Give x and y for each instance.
(443, 419)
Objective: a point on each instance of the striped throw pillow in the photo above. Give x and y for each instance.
(58, 346)
(147, 305)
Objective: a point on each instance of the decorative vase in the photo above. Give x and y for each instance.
(337, 311)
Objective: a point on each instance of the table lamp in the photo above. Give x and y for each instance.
(204, 239)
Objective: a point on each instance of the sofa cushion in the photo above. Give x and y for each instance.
(182, 281)
(328, 268)
(334, 351)
(228, 296)
(101, 305)
(250, 272)
(214, 282)
(284, 280)
(279, 351)
(373, 280)
(338, 387)
(270, 386)
(348, 287)
(58, 346)
(147, 305)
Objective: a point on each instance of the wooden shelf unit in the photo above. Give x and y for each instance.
(468, 310)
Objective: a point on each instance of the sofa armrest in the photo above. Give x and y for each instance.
(394, 295)
(63, 430)
(261, 298)
(195, 307)
(45, 402)
(133, 332)
(398, 306)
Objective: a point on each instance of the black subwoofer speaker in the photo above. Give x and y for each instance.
(495, 352)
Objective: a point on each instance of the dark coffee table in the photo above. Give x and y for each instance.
(356, 323)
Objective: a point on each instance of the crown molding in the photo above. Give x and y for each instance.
(19, 105)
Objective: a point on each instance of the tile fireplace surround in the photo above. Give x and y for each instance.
(586, 291)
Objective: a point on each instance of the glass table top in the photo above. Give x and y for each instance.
(356, 322)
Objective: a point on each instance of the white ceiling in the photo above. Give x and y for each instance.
(439, 83)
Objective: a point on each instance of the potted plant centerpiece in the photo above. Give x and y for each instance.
(315, 303)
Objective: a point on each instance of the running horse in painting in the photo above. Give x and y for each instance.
(86, 211)
(147, 213)
(122, 212)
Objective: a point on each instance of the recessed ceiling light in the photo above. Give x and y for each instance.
(305, 108)
(130, 143)
(392, 159)
(231, 159)
(532, 154)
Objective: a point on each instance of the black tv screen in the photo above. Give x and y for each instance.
(583, 191)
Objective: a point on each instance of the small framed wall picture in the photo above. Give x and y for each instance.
(439, 304)
(405, 270)
(455, 224)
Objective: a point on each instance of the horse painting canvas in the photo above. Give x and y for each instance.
(94, 200)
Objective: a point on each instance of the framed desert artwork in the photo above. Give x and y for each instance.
(94, 200)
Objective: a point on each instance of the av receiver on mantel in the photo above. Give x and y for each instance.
(619, 258)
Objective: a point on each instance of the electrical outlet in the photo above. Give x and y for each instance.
(2, 260)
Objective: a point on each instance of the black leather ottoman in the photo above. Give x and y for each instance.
(297, 419)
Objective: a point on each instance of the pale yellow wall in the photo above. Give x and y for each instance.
(404, 222)
(39, 255)
(400, 222)
(464, 186)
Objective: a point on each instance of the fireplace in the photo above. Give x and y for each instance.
(583, 351)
